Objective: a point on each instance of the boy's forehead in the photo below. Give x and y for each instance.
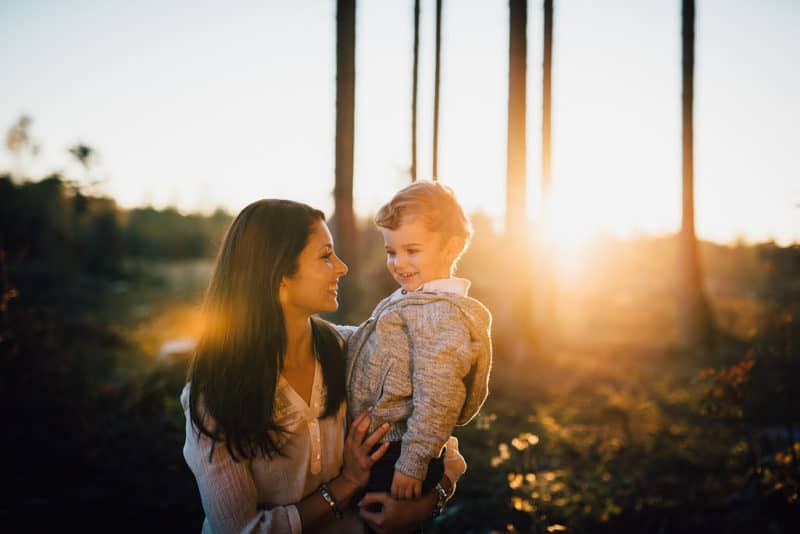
(412, 222)
(408, 231)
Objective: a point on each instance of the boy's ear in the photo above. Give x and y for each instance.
(454, 245)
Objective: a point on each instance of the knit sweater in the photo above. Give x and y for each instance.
(422, 362)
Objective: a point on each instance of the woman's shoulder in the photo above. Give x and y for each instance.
(185, 397)
(185, 394)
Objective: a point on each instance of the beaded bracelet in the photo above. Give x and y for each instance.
(441, 499)
(328, 496)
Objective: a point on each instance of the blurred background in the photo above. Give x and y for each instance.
(631, 171)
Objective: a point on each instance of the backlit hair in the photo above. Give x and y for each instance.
(239, 357)
(435, 203)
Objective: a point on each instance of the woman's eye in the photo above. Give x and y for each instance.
(412, 251)
(327, 256)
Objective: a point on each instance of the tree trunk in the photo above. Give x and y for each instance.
(545, 286)
(516, 146)
(344, 225)
(547, 67)
(414, 94)
(695, 325)
(436, 90)
(519, 296)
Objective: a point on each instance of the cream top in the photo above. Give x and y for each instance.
(258, 495)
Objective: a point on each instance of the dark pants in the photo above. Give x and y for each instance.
(380, 478)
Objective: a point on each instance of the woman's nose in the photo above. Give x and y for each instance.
(342, 268)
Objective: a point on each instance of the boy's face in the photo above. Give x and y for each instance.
(415, 255)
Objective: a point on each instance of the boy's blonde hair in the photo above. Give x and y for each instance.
(435, 203)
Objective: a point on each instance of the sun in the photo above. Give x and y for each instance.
(564, 232)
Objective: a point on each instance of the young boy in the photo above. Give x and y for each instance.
(422, 359)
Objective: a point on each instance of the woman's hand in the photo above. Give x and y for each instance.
(401, 515)
(396, 515)
(357, 460)
(314, 509)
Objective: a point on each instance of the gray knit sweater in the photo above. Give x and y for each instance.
(422, 362)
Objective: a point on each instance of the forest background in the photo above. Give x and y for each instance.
(647, 384)
(608, 427)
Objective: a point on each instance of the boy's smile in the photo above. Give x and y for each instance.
(416, 255)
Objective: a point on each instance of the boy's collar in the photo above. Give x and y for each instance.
(457, 286)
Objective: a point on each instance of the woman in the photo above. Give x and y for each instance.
(265, 400)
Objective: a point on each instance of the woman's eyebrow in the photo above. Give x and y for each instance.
(326, 246)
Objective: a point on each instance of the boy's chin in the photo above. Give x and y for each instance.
(410, 286)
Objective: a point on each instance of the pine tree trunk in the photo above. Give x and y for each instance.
(344, 226)
(516, 146)
(547, 68)
(695, 325)
(414, 94)
(519, 297)
(436, 90)
(545, 281)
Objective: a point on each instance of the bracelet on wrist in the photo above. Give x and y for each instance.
(325, 491)
(441, 499)
(448, 486)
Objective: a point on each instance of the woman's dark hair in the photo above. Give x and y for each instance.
(240, 353)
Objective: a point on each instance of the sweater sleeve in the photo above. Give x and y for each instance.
(345, 331)
(227, 489)
(440, 360)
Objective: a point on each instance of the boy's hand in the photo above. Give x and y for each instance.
(405, 487)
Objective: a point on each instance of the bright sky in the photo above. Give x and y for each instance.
(200, 104)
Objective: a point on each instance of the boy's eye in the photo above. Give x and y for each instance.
(412, 251)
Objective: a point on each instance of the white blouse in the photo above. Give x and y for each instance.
(257, 495)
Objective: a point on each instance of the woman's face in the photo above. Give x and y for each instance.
(314, 287)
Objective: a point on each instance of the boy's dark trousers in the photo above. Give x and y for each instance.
(380, 479)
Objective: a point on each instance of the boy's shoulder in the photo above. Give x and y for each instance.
(439, 298)
(425, 306)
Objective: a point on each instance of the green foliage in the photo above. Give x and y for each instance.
(167, 234)
(623, 457)
(54, 233)
(614, 431)
(52, 222)
(93, 421)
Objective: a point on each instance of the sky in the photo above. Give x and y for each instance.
(205, 104)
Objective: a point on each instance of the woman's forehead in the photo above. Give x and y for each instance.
(320, 236)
